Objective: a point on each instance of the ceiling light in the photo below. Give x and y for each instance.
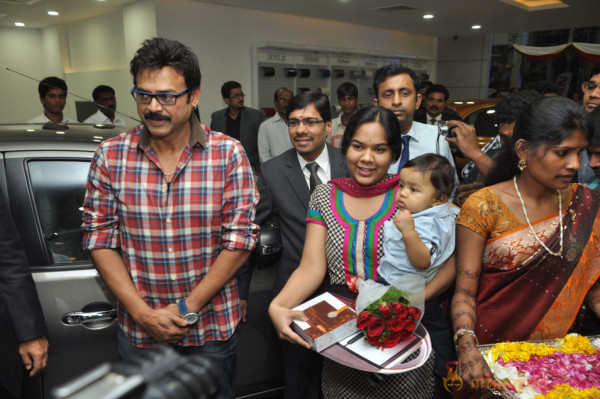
(19, 24)
(54, 13)
(476, 27)
(536, 5)
(428, 16)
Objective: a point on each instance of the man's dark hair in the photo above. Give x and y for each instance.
(158, 53)
(386, 118)
(543, 87)
(303, 100)
(102, 89)
(227, 87)
(442, 173)
(392, 70)
(593, 124)
(595, 71)
(275, 95)
(425, 84)
(438, 89)
(511, 106)
(49, 83)
(347, 89)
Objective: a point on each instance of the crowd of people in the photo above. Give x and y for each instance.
(173, 208)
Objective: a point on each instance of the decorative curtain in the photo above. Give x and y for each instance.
(588, 51)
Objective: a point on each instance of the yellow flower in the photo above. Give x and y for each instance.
(568, 392)
(576, 344)
(523, 350)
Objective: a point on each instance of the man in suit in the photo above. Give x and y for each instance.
(435, 109)
(237, 121)
(23, 345)
(284, 187)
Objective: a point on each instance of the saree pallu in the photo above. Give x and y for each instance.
(524, 292)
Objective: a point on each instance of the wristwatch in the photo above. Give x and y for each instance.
(191, 317)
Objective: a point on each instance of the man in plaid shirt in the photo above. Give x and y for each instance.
(169, 216)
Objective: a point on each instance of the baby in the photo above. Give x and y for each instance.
(421, 238)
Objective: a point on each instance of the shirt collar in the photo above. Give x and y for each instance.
(196, 135)
(322, 160)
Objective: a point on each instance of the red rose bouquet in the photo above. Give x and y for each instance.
(391, 318)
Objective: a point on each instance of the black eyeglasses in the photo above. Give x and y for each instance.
(306, 122)
(590, 86)
(236, 96)
(143, 97)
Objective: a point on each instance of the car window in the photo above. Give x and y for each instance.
(59, 189)
(484, 121)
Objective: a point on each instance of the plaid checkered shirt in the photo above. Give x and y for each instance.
(170, 234)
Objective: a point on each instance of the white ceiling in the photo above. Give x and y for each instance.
(451, 17)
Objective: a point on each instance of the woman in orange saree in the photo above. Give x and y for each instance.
(528, 246)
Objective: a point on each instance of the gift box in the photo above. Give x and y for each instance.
(329, 321)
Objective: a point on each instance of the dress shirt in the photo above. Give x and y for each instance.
(273, 138)
(423, 141)
(324, 171)
(44, 119)
(437, 119)
(337, 132)
(100, 119)
(170, 234)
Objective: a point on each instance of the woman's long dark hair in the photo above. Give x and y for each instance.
(548, 122)
(386, 118)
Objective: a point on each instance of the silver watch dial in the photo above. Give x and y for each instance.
(192, 318)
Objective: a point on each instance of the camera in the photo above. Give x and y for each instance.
(156, 373)
(445, 130)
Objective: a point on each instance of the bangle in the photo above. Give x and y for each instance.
(464, 331)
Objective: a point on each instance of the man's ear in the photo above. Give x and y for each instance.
(419, 99)
(328, 127)
(375, 101)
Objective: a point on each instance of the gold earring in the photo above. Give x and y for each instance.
(522, 164)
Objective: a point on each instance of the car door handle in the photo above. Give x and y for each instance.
(78, 318)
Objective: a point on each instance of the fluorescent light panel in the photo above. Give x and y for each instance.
(536, 5)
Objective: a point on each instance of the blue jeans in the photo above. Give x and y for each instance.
(222, 354)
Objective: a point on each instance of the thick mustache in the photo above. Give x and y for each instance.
(156, 116)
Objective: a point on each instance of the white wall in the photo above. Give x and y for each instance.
(98, 50)
(223, 38)
(463, 65)
(22, 51)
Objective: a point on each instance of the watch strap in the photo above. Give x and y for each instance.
(183, 309)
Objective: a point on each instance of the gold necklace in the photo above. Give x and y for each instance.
(170, 174)
(560, 224)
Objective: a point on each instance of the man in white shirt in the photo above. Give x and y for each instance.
(104, 96)
(53, 96)
(395, 87)
(273, 138)
(347, 94)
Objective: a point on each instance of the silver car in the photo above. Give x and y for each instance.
(43, 172)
